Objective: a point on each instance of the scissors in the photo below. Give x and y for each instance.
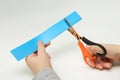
(81, 39)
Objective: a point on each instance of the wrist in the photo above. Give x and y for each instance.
(41, 70)
(117, 53)
(113, 52)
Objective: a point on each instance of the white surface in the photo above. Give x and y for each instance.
(21, 20)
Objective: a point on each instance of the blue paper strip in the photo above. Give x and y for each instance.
(31, 46)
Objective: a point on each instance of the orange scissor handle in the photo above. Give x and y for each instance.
(85, 53)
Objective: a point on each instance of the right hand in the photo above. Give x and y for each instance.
(113, 56)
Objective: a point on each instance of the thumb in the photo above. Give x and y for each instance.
(41, 48)
(93, 49)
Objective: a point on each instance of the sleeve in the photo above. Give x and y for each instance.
(46, 74)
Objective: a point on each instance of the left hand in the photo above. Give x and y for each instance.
(39, 60)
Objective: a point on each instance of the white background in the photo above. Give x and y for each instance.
(21, 20)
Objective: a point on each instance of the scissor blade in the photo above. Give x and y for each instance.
(72, 30)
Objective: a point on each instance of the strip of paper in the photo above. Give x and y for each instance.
(31, 46)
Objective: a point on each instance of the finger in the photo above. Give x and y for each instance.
(90, 63)
(98, 61)
(94, 49)
(41, 48)
(29, 56)
(48, 56)
(94, 65)
(105, 62)
(89, 49)
(47, 44)
(99, 66)
(107, 65)
(106, 59)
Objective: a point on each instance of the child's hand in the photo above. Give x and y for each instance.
(113, 56)
(39, 60)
